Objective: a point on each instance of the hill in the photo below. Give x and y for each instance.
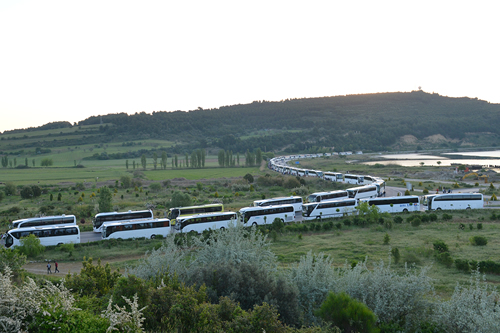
(368, 122)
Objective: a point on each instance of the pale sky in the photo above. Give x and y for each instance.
(66, 60)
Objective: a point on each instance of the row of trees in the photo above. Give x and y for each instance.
(6, 162)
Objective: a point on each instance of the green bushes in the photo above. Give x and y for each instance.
(348, 314)
(478, 240)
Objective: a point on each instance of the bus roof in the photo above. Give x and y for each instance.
(134, 221)
(127, 212)
(207, 205)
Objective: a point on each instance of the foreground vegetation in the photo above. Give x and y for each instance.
(232, 282)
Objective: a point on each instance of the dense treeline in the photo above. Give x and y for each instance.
(366, 122)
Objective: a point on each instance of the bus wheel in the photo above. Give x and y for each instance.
(405, 210)
(153, 236)
(467, 208)
(222, 228)
(282, 221)
(439, 208)
(254, 224)
(59, 244)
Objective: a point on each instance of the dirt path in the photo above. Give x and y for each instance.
(40, 268)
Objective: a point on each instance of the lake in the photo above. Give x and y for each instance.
(415, 159)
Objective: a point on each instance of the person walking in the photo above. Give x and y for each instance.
(49, 270)
(56, 266)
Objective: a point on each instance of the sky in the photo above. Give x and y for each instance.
(66, 60)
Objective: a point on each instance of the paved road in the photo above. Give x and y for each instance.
(89, 236)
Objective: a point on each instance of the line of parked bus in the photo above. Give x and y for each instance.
(54, 230)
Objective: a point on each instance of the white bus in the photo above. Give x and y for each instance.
(48, 235)
(370, 179)
(402, 204)
(148, 228)
(454, 201)
(362, 192)
(353, 179)
(44, 220)
(201, 222)
(315, 173)
(101, 218)
(332, 195)
(176, 212)
(295, 201)
(327, 209)
(380, 184)
(333, 176)
(266, 215)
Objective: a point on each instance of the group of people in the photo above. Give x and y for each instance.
(49, 268)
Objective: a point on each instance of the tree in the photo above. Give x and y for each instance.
(31, 246)
(46, 162)
(220, 158)
(249, 178)
(180, 199)
(30, 191)
(187, 160)
(133, 165)
(105, 200)
(143, 161)
(5, 161)
(33, 161)
(10, 188)
(126, 164)
(258, 156)
(26, 161)
(155, 160)
(176, 161)
(164, 160)
(14, 259)
(125, 180)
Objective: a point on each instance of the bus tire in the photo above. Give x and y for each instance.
(439, 208)
(282, 221)
(254, 224)
(222, 228)
(153, 236)
(467, 208)
(405, 210)
(58, 244)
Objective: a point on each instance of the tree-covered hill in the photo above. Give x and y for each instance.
(366, 122)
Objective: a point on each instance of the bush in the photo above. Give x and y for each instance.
(291, 182)
(440, 246)
(445, 259)
(479, 226)
(433, 217)
(348, 314)
(387, 239)
(398, 219)
(249, 178)
(415, 222)
(396, 255)
(155, 187)
(478, 240)
(30, 246)
(447, 217)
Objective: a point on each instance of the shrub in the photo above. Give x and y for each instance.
(447, 217)
(415, 222)
(479, 226)
(30, 246)
(440, 246)
(291, 182)
(249, 178)
(348, 314)
(470, 309)
(155, 187)
(396, 255)
(398, 219)
(445, 259)
(461, 226)
(425, 218)
(387, 239)
(433, 217)
(478, 240)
